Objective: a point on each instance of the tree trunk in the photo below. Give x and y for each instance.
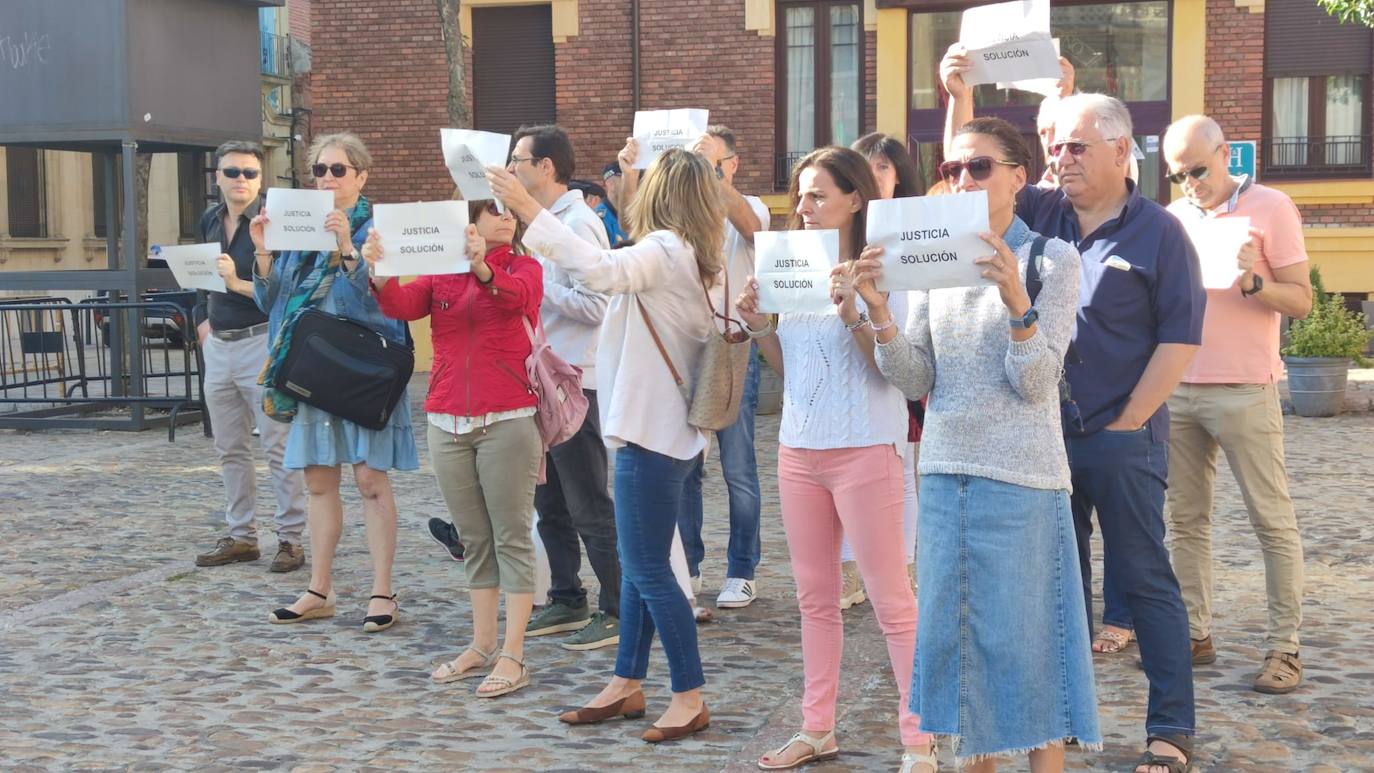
(459, 117)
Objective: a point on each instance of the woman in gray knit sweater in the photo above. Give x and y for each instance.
(1002, 658)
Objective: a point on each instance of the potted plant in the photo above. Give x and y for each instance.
(1319, 351)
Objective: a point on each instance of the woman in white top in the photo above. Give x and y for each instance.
(843, 433)
(676, 219)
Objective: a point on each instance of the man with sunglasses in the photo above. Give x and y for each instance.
(574, 502)
(234, 340)
(1229, 396)
(1140, 317)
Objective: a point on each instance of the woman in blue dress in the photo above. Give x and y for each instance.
(285, 284)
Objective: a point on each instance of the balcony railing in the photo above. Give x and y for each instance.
(1317, 156)
(276, 55)
(782, 169)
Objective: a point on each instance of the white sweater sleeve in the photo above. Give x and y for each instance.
(614, 272)
(1034, 366)
(908, 361)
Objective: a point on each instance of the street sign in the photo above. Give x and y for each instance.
(1242, 159)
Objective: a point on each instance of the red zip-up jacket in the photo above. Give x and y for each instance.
(480, 344)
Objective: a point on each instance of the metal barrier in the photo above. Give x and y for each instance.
(61, 363)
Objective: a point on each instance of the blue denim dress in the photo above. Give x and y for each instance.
(317, 437)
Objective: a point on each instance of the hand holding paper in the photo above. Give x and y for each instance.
(420, 239)
(659, 130)
(467, 154)
(195, 266)
(1009, 42)
(793, 270)
(296, 220)
(1221, 245)
(930, 242)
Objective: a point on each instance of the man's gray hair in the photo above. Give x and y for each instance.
(1044, 117)
(1109, 113)
(1205, 127)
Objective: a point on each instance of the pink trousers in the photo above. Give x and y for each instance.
(826, 495)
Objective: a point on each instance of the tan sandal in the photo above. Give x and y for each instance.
(1111, 642)
(910, 761)
(818, 751)
(449, 672)
(504, 686)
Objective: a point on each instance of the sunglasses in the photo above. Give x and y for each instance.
(338, 170)
(233, 172)
(979, 168)
(492, 209)
(1076, 147)
(1198, 173)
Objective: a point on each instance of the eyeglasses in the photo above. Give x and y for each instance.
(979, 168)
(1198, 173)
(519, 160)
(233, 172)
(338, 170)
(1076, 147)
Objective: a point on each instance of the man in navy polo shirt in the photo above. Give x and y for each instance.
(1139, 324)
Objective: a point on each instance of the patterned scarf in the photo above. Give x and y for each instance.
(309, 291)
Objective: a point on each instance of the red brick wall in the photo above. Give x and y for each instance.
(298, 19)
(1234, 93)
(379, 70)
(1334, 215)
(594, 84)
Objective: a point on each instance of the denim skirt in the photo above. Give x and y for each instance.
(1003, 664)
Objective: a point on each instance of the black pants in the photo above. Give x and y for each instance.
(574, 502)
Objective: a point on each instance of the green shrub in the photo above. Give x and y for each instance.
(1331, 330)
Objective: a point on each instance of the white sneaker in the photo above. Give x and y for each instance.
(852, 587)
(738, 592)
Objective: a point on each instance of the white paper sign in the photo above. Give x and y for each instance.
(295, 220)
(793, 270)
(1009, 42)
(468, 153)
(194, 266)
(1218, 241)
(930, 241)
(660, 130)
(1045, 87)
(422, 239)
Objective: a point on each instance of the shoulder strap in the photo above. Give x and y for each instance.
(1033, 280)
(657, 342)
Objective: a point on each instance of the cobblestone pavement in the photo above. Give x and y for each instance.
(117, 653)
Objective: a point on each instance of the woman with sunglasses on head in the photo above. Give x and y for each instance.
(842, 437)
(1002, 664)
(285, 286)
(658, 314)
(483, 439)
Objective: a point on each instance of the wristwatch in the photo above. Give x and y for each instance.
(1026, 320)
(1254, 288)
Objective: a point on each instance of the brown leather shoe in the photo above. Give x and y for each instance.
(629, 707)
(1282, 673)
(229, 551)
(660, 734)
(1203, 651)
(289, 557)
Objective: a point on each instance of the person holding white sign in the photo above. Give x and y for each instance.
(1228, 399)
(996, 537)
(318, 442)
(843, 434)
(234, 343)
(483, 439)
(658, 316)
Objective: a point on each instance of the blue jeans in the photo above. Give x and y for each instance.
(648, 496)
(741, 473)
(1122, 475)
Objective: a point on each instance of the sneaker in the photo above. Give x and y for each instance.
(851, 588)
(229, 551)
(738, 592)
(558, 617)
(445, 534)
(1204, 652)
(289, 557)
(602, 631)
(1282, 673)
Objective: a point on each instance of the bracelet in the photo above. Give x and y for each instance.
(879, 328)
(858, 323)
(767, 330)
(262, 253)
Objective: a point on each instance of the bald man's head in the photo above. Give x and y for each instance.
(1195, 147)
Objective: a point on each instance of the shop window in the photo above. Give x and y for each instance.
(821, 63)
(26, 184)
(192, 193)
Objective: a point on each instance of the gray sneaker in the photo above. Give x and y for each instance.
(558, 617)
(602, 631)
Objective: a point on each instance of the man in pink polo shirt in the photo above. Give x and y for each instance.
(1228, 398)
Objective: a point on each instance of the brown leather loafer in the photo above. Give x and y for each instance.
(229, 551)
(1203, 651)
(660, 734)
(629, 707)
(289, 558)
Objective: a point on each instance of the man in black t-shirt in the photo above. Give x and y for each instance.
(233, 335)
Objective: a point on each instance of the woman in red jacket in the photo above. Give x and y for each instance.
(483, 440)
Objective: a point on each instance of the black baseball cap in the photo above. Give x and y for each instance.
(610, 170)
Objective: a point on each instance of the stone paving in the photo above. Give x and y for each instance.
(116, 653)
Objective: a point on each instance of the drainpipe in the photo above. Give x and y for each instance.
(634, 51)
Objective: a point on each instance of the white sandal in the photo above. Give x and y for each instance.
(818, 752)
(910, 761)
(448, 672)
(503, 685)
